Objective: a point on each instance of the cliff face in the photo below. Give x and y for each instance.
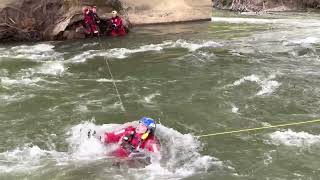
(23, 20)
(265, 5)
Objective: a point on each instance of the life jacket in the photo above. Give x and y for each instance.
(117, 27)
(131, 142)
(90, 22)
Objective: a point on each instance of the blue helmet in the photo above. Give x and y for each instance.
(150, 123)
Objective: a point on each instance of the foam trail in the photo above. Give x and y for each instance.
(121, 53)
(35, 52)
(291, 22)
(149, 98)
(252, 78)
(23, 81)
(108, 80)
(291, 138)
(84, 56)
(304, 41)
(268, 85)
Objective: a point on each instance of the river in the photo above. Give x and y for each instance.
(234, 72)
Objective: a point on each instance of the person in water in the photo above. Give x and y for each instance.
(89, 20)
(133, 140)
(117, 28)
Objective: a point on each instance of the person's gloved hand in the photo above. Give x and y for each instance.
(113, 26)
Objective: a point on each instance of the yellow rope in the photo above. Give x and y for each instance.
(259, 128)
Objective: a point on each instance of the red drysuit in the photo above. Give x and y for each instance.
(130, 142)
(89, 22)
(117, 27)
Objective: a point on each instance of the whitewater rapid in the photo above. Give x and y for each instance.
(180, 154)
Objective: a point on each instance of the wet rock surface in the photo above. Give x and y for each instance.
(34, 20)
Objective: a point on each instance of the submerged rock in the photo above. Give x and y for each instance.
(32, 20)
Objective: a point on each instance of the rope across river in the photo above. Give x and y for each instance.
(211, 134)
(259, 128)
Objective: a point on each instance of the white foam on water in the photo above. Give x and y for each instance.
(307, 40)
(234, 109)
(287, 22)
(195, 46)
(36, 52)
(24, 159)
(83, 148)
(108, 80)
(245, 20)
(252, 78)
(89, 45)
(121, 53)
(22, 81)
(51, 68)
(267, 159)
(291, 138)
(17, 97)
(268, 85)
(83, 56)
(39, 48)
(148, 99)
(179, 155)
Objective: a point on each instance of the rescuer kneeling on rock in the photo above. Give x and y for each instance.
(117, 28)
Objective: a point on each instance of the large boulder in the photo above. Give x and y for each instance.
(23, 20)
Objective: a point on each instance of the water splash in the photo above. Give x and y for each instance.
(291, 138)
(268, 85)
(50, 68)
(179, 158)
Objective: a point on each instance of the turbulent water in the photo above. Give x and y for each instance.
(234, 72)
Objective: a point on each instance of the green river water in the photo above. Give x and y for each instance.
(234, 72)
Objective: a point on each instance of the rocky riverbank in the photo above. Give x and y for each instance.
(33, 20)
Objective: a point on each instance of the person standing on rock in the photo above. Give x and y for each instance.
(89, 22)
(95, 15)
(117, 28)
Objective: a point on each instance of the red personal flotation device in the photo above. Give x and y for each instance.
(89, 21)
(117, 27)
(131, 142)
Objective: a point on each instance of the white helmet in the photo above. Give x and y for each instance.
(114, 12)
